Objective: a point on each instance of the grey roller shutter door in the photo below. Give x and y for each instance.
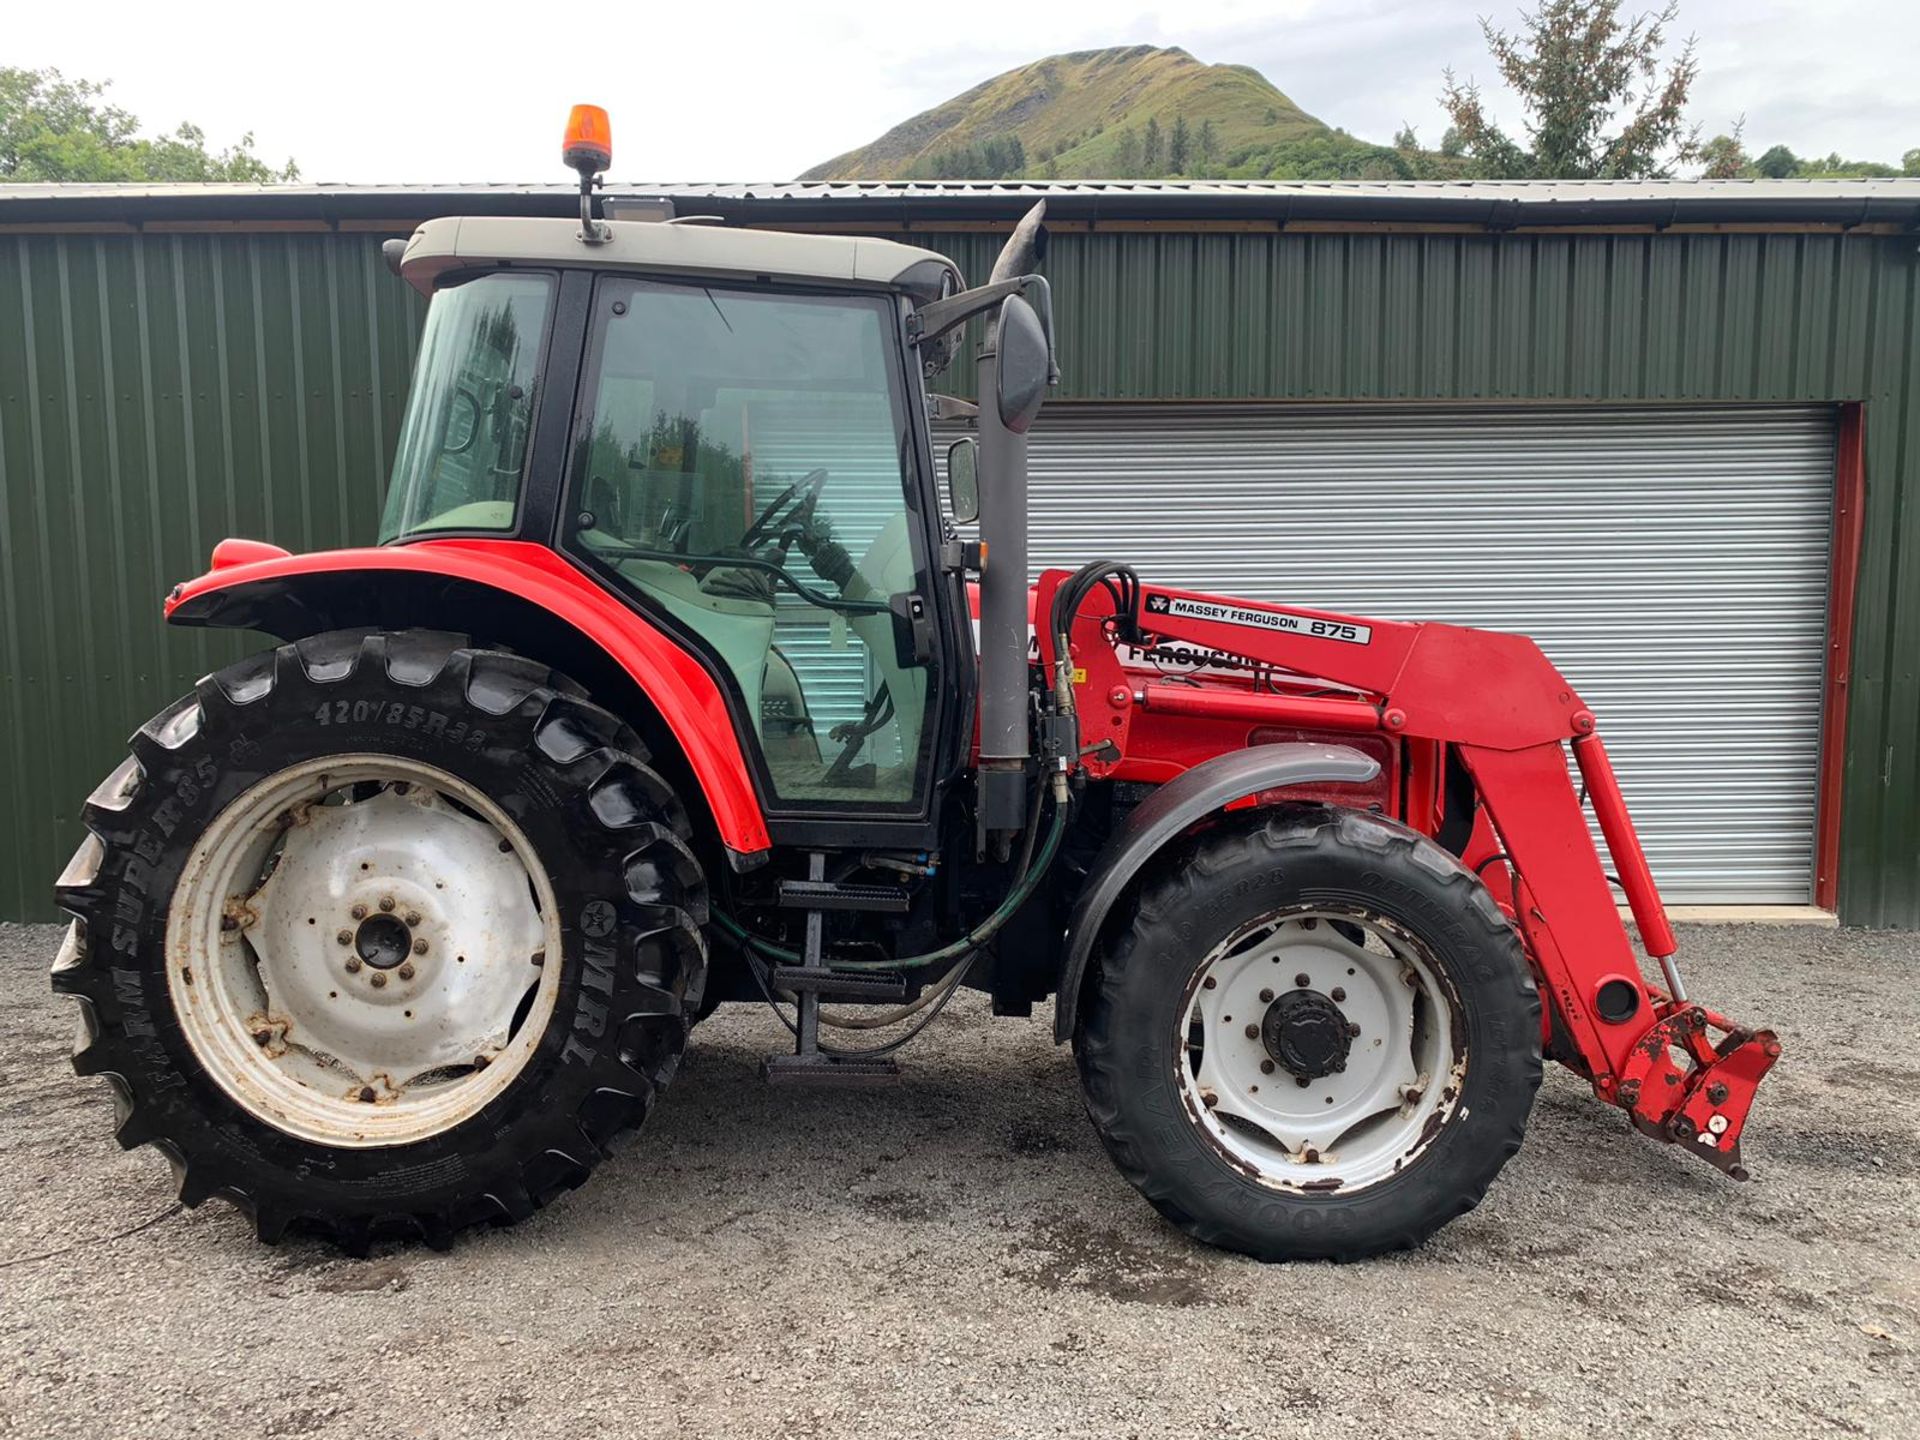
(1672, 562)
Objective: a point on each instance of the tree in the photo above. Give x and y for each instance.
(1126, 154)
(1600, 102)
(56, 129)
(1208, 143)
(1179, 146)
(1910, 162)
(1724, 157)
(1150, 147)
(1406, 140)
(1778, 163)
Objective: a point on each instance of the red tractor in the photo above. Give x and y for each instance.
(669, 684)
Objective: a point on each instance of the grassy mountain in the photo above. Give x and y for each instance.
(1094, 113)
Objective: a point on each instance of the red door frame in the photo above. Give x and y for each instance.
(1849, 504)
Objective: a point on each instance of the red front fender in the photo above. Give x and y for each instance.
(258, 586)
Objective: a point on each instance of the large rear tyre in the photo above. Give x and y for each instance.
(1314, 1036)
(382, 934)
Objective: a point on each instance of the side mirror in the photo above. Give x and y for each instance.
(1025, 364)
(963, 480)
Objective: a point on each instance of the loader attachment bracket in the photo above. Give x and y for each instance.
(1704, 1105)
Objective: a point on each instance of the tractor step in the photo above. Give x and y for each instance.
(815, 1068)
(832, 895)
(870, 989)
(811, 982)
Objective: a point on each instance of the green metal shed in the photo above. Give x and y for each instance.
(1672, 428)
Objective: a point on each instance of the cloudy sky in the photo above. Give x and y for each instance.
(726, 91)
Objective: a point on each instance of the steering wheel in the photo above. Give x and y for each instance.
(472, 402)
(793, 504)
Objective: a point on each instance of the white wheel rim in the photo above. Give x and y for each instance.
(363, 951)
(1287, 976)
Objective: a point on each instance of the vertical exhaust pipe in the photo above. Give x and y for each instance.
(1004, 739)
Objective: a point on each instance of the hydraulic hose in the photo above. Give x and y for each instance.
(1035, 866)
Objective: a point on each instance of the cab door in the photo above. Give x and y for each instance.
(746, 474)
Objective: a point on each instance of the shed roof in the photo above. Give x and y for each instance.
(1498, 205)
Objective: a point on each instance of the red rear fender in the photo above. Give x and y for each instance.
(462, 585)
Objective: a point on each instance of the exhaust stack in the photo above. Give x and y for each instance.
(1004, 740)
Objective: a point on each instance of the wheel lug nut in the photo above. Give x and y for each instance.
(405, 972)
(1208, 983)
(359, 912)
(263, 1037)
(1302, 1081)
(1253, 1032)
(345, 937)
(1352, 1028)
(1302, 980)
(353, 964)
(379, 980)
(1266, 997)
(540, 958)
(1266, 1067)
(1339, 994)
(479, 1062)
(420, 945)
(386, 902)
(366, 1094)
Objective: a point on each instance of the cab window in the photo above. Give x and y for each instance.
(463, 443)
(744, 470)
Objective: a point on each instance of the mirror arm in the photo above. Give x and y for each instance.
(1042, 299)
(933, 320)
(951, 407)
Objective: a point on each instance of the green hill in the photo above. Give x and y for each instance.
(1096, 113)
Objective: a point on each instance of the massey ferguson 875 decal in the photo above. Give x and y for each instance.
(1284, 620)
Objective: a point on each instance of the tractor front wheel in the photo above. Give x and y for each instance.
(383, 934)
(1314, 1036)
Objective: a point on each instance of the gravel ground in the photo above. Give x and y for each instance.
(954, 1256)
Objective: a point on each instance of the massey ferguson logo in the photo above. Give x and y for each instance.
(1284, 621)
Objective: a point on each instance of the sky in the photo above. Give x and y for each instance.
(360, 93)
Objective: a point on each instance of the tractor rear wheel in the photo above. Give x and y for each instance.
(383, 934)
(1313, 1037)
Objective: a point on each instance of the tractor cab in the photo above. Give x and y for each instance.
(747, 467)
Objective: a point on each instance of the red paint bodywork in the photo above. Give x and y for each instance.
(1510, 718)
(687, 697)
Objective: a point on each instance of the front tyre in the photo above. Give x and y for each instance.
(383, 934)
(1314, 1036)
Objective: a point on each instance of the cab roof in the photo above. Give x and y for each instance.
(475, 241)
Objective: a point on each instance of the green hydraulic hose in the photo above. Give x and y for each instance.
(972, 940)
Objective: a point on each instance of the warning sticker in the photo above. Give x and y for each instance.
(1282, 620)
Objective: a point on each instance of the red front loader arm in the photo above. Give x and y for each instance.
(1509, 716)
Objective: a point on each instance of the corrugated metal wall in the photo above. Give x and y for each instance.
(1671, 561)
(156, 394)
(159, 391)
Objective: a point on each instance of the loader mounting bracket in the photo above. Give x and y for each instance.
(1703, 1107)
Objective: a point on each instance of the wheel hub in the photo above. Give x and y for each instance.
(1307, 1034)
(1310, 1043)
(383, 941)
(359, 950)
